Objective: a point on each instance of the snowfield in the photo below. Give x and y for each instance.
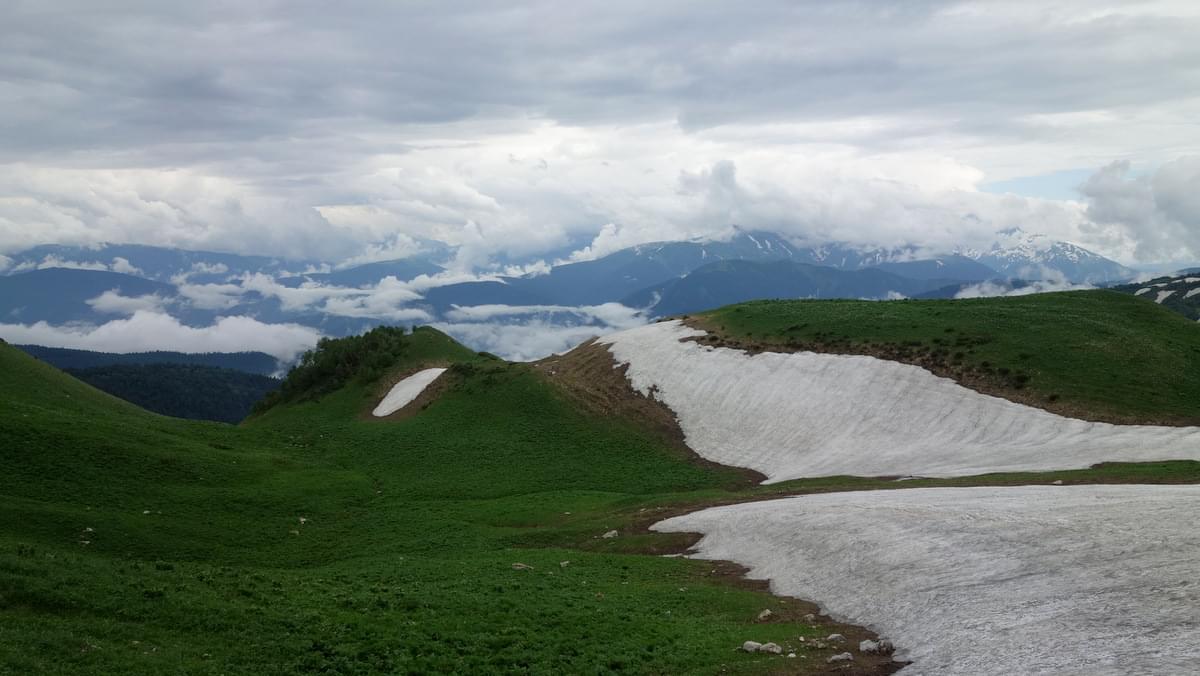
(1025, 580)
(403, 392)
(809, 415)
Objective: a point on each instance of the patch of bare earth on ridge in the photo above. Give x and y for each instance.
(979, 379)
(591, 378)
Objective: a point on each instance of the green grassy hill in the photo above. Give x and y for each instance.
(1092, 354)
(315, 540)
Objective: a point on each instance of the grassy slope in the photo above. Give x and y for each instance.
(1097, 351)
(404, 563)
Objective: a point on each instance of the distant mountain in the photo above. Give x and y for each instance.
(370, 274)
(726, 282)
(1020, 255)
(952, 266)
(628, 271)
(182, 390)
(612, 277)
(59, 295)
(247, 362)
(1179, 293)
(151, 262)
(164, 264)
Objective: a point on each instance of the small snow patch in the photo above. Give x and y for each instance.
(403, 392)
(1163, 295)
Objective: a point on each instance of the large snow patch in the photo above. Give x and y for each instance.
(806, 415)
(403, 392)
(1027, 580)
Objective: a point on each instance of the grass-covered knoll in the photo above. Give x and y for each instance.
(1092, 354)
(336, 362)
(315, 541)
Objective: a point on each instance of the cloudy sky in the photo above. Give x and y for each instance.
(523, 129)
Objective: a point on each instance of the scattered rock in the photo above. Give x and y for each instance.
(751, 646)
(610, 535)
(810, 618)
(772, 648)
(835, 638)
(792, 655)
(1058, 482)
(563, 564)
(765, 615)
(521, 566)
(294, 532)
(840, 657)
(145, 511)
(303, 520)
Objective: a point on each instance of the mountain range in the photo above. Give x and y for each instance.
(79, 286)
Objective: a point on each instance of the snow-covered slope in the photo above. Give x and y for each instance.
(806, 415)
(403, 392)
(1027, 580)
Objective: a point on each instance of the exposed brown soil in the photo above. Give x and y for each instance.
(589, 376)
(939, 362)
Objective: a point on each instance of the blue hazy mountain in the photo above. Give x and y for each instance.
(64, 358)
(59, 295)
(733, 281)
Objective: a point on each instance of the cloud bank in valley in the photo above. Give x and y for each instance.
(146, 331)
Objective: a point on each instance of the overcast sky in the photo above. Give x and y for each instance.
(333, 130)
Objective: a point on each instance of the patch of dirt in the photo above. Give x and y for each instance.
(430, 394)
(982, 379)
(589, 376)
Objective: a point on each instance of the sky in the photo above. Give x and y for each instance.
(526, 129)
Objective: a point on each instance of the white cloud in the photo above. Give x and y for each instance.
(112, 302)
(615, 123)
(991, 289)
(54, 261)
(612, 314)
(524, 333)
(209, 268)
(123, 266)
(148, 331)
(1158, 212)
(525, 341)
(210, 296)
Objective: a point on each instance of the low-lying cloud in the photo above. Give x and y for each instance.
(112, 302)
(993, 289)
(146, 331)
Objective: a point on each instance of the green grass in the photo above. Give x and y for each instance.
(1094, 352)
(404, 563)
(133, 543)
